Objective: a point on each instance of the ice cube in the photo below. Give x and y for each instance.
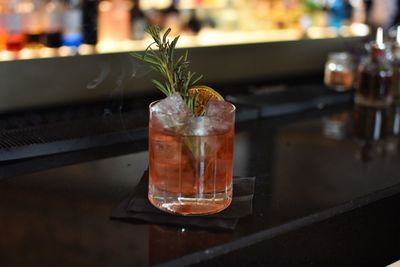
(199, 126)
(221, 114)
(172, 112)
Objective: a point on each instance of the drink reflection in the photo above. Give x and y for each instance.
(376, 131)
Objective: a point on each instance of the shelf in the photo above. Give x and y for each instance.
(206, 38)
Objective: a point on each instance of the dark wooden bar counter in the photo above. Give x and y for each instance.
(327, 194)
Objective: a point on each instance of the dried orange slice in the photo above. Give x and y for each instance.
(203, 94)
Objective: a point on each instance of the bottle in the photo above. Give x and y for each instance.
(72, 35)
(89, 21)
(33, 23)
(172, 18)
(194, 24)
(139, 21)
(114, 21)
(53, 23)
(336, 14)
(14, 36)
(396, 66)
(375, 73)
(2, 26)
(228, 19)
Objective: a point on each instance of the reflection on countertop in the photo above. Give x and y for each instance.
(309, 166)
(375, 130)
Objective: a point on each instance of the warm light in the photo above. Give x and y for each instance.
(86, 49)
(156, 4)
(359, 29)
(66, 51)
(48, 52)
(28, 53)
(321, 32)
(105, 6)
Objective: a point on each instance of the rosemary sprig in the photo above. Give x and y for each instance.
(176, 73)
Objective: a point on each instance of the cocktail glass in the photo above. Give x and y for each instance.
(191, 162)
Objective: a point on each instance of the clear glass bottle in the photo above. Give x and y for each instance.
(114, 21)
(339, 71)
(13, 20)
(374, 87)
(139, 21)
(172, 18)
(33, 22)
(72, 35)
(53, 25)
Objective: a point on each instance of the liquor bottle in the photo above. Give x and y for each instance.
(89, 21)
(194, 24)
(72, 35)
(33, 22)
(53, 23)
(114, 21)
(139, 21)
(375, 73)
(14, 36)
(2, 26)
(172, 18)
(336, 13)
(228, 19)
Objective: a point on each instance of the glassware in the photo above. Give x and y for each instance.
(190, 170)
(2, 25)
(72, 35)
(396, 66)
(374, 87)
(33, 23)
(54, 23)
(114, 21)
(89, 21)
(339, 71)
(13, 19)
(375, 129)
(139, 21)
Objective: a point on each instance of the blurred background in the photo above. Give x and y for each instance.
(43, 28)
(72, 54)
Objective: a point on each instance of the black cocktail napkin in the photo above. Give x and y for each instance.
(137, 208)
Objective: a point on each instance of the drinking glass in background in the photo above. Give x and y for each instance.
(339, 71)
(190, 158)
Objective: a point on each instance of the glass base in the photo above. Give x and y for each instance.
(373, 102)
(208, 203)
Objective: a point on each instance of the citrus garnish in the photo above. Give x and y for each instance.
(203, 94)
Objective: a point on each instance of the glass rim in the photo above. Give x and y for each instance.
(233, 110)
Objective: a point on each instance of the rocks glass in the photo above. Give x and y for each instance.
(339, 71)
(190, 158)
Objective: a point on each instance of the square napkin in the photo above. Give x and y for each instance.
(137, 208)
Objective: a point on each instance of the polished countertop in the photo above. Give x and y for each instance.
(311, 167)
